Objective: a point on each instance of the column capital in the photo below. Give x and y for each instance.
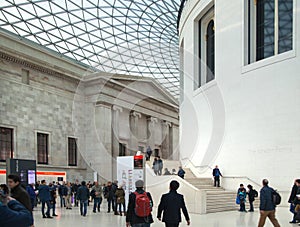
(135, 114)
(167, 123)
(152, 119)
(117, 108)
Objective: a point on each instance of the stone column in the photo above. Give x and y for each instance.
(151, 121)
(116, 110)
(134, 137)
(165, 146)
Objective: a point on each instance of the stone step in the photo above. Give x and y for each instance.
(217, 198)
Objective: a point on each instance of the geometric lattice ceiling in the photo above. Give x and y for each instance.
(137, 37)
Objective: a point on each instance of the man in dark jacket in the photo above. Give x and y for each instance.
(18, 192)
(63, 192)
(83, 195)
(171, 205)
(292, 200)
(216, 174)
(74, 190)
(109, 194)
(13, 213)
(45, 197)
(131, 217)
(267, 206)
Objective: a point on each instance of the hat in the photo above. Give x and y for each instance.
(139, 184)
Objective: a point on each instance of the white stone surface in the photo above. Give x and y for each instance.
(247, 119)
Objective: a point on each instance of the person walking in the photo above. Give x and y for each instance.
(181, 172)
(148, 153)
(216, 174)
(292, 200)
(97, 191)
(155, 166)
(83, 195)
(139, 216)
(160, 165)
(44, 193)
(109, 194)
(267, 206)
(68, 196)
(171, 205)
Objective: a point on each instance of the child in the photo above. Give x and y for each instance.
(242, 196)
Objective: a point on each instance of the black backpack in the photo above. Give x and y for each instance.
(276, 197)
(255, 193)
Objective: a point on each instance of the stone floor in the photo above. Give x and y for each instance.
(71, 218)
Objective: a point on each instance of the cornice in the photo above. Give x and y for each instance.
(36, 67)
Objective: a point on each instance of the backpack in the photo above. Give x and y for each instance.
(255, 193)
(142, 205)
(276, 197)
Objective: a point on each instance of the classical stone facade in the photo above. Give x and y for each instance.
(108, 115)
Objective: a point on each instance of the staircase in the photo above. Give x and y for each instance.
(217, 198)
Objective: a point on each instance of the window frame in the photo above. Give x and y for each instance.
(201, 40)
(12, 130)
(47, 147)
(250, 34)
(76, 151)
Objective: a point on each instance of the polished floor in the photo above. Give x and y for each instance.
(71, 218)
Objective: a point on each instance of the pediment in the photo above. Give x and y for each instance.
(149, 87)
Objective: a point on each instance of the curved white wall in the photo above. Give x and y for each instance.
(248, 119)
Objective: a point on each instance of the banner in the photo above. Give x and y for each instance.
(129, 170)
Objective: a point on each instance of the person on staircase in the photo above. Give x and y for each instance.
(216, 174)
(181, 172)
(160, 165)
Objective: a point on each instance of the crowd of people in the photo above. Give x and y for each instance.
(17, 202)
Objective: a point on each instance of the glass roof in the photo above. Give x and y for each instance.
(136, 37)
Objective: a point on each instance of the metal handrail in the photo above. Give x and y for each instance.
(182, 4)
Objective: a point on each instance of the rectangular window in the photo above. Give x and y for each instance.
(285, 18)
(72, 152)
(6, 143)
(206, 48)
(270, 28)
(122, 149)
(42, 148)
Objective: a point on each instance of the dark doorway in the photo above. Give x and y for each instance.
(156, 152)
(122, 149)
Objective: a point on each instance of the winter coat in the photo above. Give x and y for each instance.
(266, 199)
(83, 193)
(20, 194)
(44, 193)
(15, 214)
(120, 195)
